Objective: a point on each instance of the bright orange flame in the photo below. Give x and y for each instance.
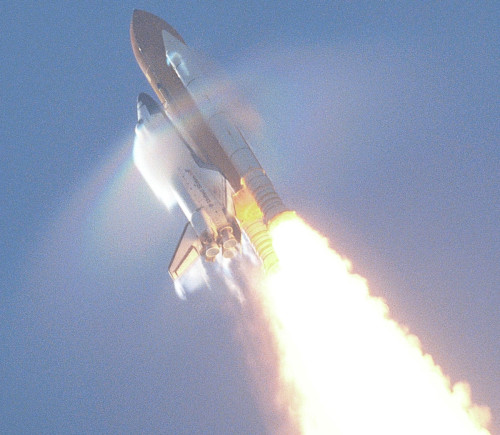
(354, 370)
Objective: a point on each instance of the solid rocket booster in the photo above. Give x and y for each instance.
(176, 75)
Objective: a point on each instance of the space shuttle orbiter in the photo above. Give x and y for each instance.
(191, 148)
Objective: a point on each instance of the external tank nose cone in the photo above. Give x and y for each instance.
(145, 25)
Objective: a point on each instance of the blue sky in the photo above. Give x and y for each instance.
(380, 126)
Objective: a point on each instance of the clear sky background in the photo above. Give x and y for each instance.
(379, 125)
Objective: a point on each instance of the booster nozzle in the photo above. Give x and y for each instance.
(227, 238)
(260, 186)
(229, 252)
(211, 251)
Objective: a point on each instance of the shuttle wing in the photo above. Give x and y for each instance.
(187, 251)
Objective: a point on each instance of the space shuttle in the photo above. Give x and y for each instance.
(188, 147)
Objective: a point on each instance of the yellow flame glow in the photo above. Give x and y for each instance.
(352, 368)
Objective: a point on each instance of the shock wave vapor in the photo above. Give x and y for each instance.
(190, 149)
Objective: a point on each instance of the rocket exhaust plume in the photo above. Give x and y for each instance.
(346, 367)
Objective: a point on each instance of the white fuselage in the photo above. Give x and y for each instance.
(170, 169)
